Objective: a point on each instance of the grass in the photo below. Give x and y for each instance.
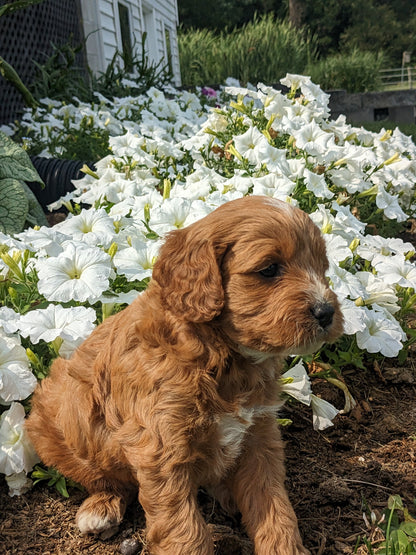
(265, 49)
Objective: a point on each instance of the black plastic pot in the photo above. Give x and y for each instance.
(57, 176)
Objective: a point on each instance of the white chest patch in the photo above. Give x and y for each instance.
(233, 427)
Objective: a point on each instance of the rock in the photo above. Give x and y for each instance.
(399, 375)
(130, 546)
(335, 490)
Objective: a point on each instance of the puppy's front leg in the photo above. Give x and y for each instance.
(174, 524)
(259, 490)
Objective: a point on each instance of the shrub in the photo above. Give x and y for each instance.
(355, 71)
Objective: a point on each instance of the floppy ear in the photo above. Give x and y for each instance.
(187, 269)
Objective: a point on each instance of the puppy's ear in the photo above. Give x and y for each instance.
(187, 269)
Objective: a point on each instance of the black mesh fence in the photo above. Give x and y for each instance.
(26, 35)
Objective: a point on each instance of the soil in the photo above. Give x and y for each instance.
(332, 477)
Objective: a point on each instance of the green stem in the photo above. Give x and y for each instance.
(10, 74)
(388, 528)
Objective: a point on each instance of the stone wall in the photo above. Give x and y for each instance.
(396, 106)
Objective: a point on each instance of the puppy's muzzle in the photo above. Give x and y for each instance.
(323, 312)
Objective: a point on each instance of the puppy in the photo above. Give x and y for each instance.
(180, 390)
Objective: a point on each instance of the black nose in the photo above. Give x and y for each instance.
(324, 313)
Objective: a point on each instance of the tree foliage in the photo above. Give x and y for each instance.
(340, 25)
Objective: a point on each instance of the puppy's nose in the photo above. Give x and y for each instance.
(324, 313)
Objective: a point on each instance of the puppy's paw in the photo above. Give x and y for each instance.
(100, 514)
(89, 523)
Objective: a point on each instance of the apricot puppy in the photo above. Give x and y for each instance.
(180, 390)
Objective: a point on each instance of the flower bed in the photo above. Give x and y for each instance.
(173, 160)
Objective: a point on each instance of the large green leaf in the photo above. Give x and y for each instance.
(15, 162)
(14, 206)
(35, 215)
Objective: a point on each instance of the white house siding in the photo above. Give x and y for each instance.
(156, 17)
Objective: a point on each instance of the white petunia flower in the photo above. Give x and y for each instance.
(345, 223)
(337, 248)
(295, 81)
(94, 227)
(18, 483)
(274, 158)
(8, 319)
(344, 283)
(136, 262)
(44, 241)
(79, 273)
(17, 453)
(16, 379)
(120, 190)
(249, 143)
(380, 334)
(375, 248)
(397, 270)
(354, 316)
(176, 213)
(390, 205)
(298, 385)
(273, 185)
(312, 139)
(323, 413)
(54, 321)
(126, 145)
(317, 184)
(379, 292)
(323, 218)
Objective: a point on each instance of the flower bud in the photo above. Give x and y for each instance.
(112, 250)
(354, 244)
(88, 171)
(12, 264)
(166, 188)
(33, 358)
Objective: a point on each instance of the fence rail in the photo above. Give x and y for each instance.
(400, 77)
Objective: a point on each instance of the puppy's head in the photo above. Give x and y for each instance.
(256, 267)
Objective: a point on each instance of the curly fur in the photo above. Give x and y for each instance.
(180, 389)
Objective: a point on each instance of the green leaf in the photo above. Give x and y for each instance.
(15, 162)
(395, 502)
(409, 528)
(400, 541)
(14, 206)
(61, 487)
(35, 215)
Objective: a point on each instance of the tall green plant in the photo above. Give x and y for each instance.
(264, 49)
(142, 74)
(59, 77)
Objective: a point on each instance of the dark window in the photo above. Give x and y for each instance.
(168, 49)
(381, 114)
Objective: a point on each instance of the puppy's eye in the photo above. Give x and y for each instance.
(271, 271)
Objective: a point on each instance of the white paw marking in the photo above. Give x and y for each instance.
(89, 523)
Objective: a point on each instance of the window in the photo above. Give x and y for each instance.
(127, 49)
